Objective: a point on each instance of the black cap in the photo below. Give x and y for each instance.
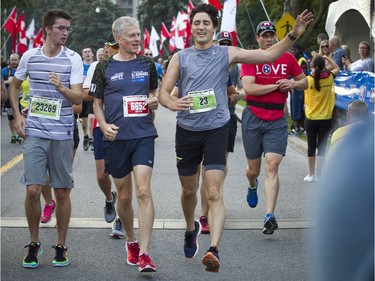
(111, 40)
(224, 36)
(265, 26)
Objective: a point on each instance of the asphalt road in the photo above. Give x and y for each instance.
(245, 253)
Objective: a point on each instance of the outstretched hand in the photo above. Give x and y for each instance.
(302, 22)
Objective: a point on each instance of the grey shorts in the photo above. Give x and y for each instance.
(261, 136)
(43, 158)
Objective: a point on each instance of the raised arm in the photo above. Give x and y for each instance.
(239, 55)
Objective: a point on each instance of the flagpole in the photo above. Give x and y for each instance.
(251, 22)
(5, 43)
(166, 50)
(238, 39)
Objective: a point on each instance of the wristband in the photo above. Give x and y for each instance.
(291, 37)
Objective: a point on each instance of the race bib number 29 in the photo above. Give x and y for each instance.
(135, 106)
(45, 107)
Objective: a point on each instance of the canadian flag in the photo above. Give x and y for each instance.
(164, 35)
(216, 4)
(180, 30)
(146, 39)
(21, 29)
(172, 39)
(38, 40)
(10, 26)
(228, 22)
(188, 26)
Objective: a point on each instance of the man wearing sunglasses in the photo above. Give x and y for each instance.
(264, 126)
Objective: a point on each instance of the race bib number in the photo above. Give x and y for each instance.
(45, 107)
(203, 101)
(135, 106)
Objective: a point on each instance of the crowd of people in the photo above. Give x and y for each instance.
(115, 98)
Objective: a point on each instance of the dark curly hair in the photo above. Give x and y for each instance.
(206, 8)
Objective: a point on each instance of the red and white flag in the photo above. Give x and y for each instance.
(154, 38)
(172, 39)
(164, 35)
(216, 4)
(146, 39)
(190, 7)
(228, 22)
(21, 29)
(30, 31)
(10, 26)
(180, 30)
(38, 40)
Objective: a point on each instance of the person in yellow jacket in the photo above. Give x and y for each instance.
(319, 100)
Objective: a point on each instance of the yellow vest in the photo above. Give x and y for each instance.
(319, 104)
(25, 89)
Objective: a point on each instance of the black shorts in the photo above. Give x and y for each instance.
(87, 108)
(194, 146)
(232, 131)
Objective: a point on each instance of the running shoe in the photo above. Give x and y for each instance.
(309, 178)
(61, 257)
(31, 259)
(132, 250)
(91, 144)
(205, 227)
(211, 259)
(191, 245)
(270, 224)
(146, 264)
(47, 212)
(252, 196)
(85, 143)
(110, 208)
(117, 231)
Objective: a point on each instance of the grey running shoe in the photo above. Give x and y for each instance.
(117, 231)
(110, 209)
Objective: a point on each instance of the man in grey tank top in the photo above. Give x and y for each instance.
(202, 72)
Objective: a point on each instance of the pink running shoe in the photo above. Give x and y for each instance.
(47, 212)
(132, 249)
(205, 227)
(146, 264)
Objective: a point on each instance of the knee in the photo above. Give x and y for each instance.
(213, 194)
(189, 192)
(143, 193)
(252, 172)
(62, 194)
(33, 193)
(124, 199)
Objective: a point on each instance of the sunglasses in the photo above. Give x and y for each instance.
(225, 43)
(325, 46)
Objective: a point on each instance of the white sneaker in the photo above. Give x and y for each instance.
(309, 178)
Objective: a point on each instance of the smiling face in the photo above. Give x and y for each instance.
(58, 33)
(203, 30)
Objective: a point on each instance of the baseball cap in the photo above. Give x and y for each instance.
(111, 40)
(224, 36)
(265, 26)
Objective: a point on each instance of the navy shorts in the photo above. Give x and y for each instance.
(232, 131)
(98, 143)
(194, 146)
(261, 136)
(122, 155)
(296, 105)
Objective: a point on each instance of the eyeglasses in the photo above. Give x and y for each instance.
(64, 28)
(325, 46)
(225, 43)
(111, 44)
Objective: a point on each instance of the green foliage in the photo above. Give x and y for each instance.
(90, 28)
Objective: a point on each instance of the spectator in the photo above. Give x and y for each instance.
(319, 103)
(337, 52)
(365, 63)
(321, 37)
(296, 99)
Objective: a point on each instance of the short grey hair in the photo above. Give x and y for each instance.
(122, 23)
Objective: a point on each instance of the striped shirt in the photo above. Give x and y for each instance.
(68, 65)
